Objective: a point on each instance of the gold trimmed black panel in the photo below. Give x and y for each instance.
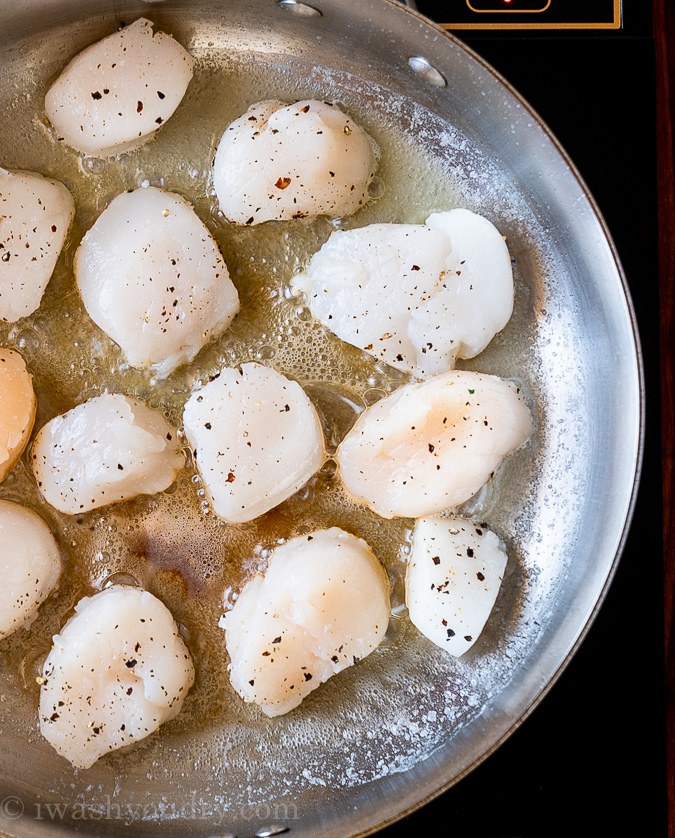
(524, 14)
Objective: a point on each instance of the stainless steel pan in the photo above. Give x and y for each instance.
(408, 722)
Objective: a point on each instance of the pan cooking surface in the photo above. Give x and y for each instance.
(408, 719)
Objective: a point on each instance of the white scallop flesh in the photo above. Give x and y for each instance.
(30, 565)
(17, 409)
(117, 671)
(114, 95)
(279, 161)
(430, 446)
(151, 276)
(108, 449)
(455, 570)
(256, 437)
(417, 296)
(35, 214)
(321, 606)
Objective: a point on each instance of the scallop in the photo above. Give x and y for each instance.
(35, 214)
(108, 449)
(114, 95)
(279, 161)
(417, 296)
(430, 446)
(152, 277)
(257, 439)
(30, 565)
(321, 606)
(117, 671)
(454, 574)
(17, 409)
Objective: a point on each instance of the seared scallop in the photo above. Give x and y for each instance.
(454, 574)
(321, 606)
(17, 409)
(279, 161)
(431, 446)
(256, 437)
(152, 277)
(108, 449)
(115, 94)
(30, 565)
(417, 296)
(35, 214)
(117, 671)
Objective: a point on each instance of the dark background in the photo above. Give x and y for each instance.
(591, 759)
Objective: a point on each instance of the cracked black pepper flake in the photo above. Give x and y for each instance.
(436, 559)
(480, 576)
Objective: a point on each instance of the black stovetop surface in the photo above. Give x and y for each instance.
(590, 760)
